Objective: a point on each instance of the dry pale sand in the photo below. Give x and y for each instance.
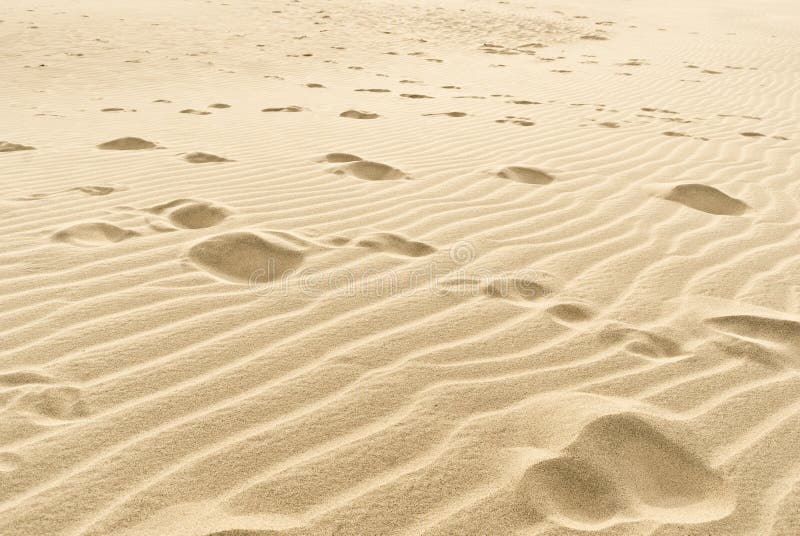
(387, 267)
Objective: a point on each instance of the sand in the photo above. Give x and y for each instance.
(330, 267)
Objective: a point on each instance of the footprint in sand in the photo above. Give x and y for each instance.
(375, 90)
(88, 190)
(127, 144)
(622, 467)
(521, 288)
(219, 105)
(705, 199)
(8, 147)
(521, 121)
(357, 114)
(284, 109)
(370, 171)
(260, 257)
(525, 175)
(204, 158)
(194, 112)
(339, 158)
(394, 244)
(242, 257)
(93, 234)
(571, 312)
(190, 213)
(449, 114)
(55, 402)
(415, 96)
(94, 190)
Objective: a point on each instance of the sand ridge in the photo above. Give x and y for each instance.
(306, 268)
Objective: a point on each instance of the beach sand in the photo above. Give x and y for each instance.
(330, 267)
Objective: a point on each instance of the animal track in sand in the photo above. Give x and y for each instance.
(284, 109)
(191, 214)
(396, 244)
(8, 147)
(415, 96)
(706, 199)
(623, 467)
(219, 105)
(371, 171)
(194, 112)
(357, 114)
(204, 158)
(375, 90)
(127, 144)
(93, 234)
(242, 257)
(526, 175)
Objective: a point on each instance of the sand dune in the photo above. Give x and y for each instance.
(315, 268)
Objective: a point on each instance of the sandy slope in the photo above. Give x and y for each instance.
(393, 268)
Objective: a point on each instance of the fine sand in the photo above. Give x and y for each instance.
(388, 267)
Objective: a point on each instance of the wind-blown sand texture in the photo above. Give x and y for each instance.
(383, 267)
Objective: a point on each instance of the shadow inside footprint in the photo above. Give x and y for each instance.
(340, 158)
(191, 214)
(204, 158)
(706, 199)
(127, 144)
(396, 244)
(525, 175)
(8, 147)
(371, 171)
(246, 257)
(357, 114)
(93, 234)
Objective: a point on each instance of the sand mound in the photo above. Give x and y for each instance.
(396, 244)
(356, 114)
(8, 147)
(204, 158)
(243, 257)
(526, 175)
(93, 234)
(372, 171)
(127, 144)
(707, 199)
